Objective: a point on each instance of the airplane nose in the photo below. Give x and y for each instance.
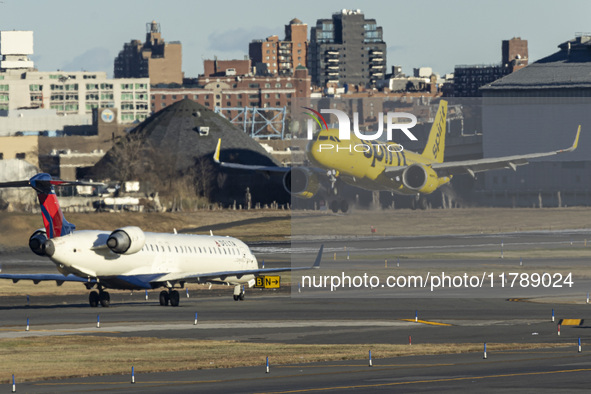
(49, 248)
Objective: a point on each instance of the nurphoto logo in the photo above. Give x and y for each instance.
(345, 124)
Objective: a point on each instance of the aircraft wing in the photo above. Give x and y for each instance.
(204, 276)
(36, 278)
(216, 159)
(494, 163)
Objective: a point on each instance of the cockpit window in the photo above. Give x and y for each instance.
(322, 137)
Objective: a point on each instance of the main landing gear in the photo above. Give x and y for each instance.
(238, 293)
(419, 202)
(171, 296)
(101, 297)
(335, 205)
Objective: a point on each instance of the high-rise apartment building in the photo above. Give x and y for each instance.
(275, 57)
(155, 59)
(346, 50)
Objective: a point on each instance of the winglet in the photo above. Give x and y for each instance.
(576, 143)
(318, 258)
(216, 155)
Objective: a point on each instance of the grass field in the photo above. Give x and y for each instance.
(37, 358)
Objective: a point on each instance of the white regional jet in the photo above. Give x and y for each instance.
(131, 259)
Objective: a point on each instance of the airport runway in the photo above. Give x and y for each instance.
(285, 317)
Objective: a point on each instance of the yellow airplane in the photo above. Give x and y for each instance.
(376, 165)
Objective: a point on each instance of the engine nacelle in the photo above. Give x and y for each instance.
(301, 182)
(126, 240)
(36, 241)
(420, 179)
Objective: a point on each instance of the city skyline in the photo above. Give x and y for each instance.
(74, 36)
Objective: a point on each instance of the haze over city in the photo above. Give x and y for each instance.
(72, 36)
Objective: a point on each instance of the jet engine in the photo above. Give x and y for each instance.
(36, 241)
(126, 240)
(301, 182)
(420, 179)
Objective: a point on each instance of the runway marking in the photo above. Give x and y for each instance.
(570, 322)
(366, 386)
(358, 365)
(432, 323)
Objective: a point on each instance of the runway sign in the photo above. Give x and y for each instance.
(268, 282)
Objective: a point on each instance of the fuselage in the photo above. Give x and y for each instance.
(362, 163)
(85, 254)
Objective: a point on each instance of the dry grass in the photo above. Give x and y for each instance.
(441, 221)
(35, 358)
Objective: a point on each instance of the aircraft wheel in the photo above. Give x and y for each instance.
(423, 204)
(344, 206)
(174, 298)
(413, 204)
(236, 297)
(105, 299)
(93, 299)
(164, 298)
(334, 206)
(241, 297)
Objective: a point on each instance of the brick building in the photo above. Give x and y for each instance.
(237, 91)
(155, 59)
(281, 57)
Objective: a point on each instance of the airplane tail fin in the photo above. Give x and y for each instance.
(435, 147)
(54, 221)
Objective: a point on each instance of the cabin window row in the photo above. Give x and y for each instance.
(191, 249)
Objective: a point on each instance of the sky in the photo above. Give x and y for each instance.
(74, 35)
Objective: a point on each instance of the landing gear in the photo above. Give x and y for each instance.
(105, 299)
(238, 293)
(164, 298)
(171, 296)
(343, 205)
(102, 297)
(174, 298)
(334, 206)
(93, 299)
(420, 203)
